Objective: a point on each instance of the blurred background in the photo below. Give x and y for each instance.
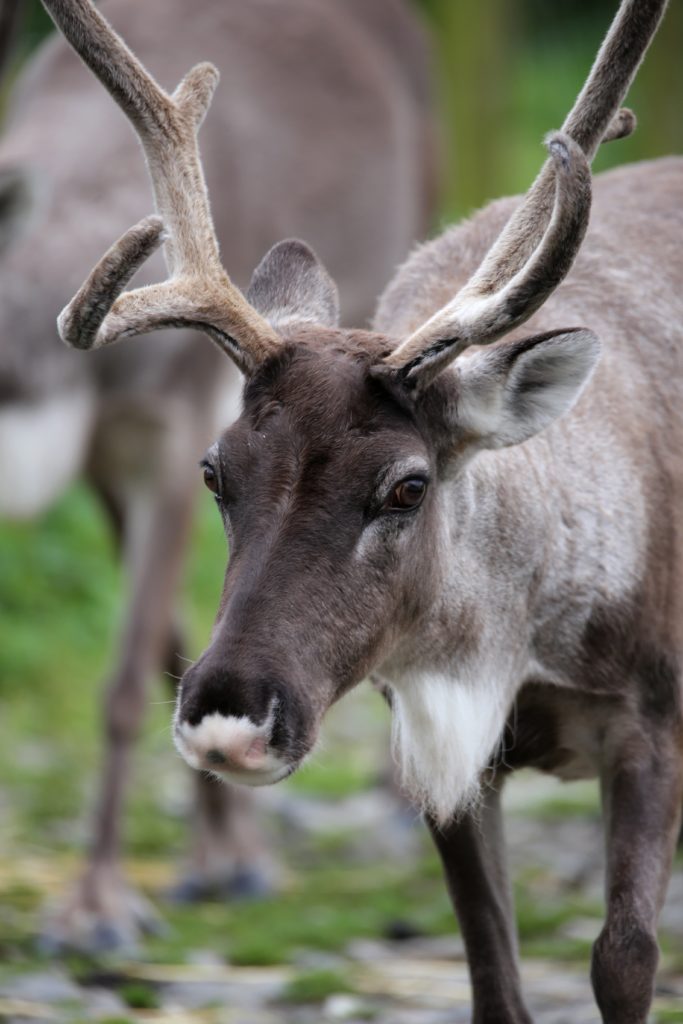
(507, 73)
(361, 925)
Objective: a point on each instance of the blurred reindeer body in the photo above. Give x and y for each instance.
(289, 72)
(321, 128)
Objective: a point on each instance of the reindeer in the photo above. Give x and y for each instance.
(310, 87)
(485, 517)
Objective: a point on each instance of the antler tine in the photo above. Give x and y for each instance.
(483, 311)
(198, 293)
(475, 318)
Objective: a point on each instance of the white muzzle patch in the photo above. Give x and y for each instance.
(234, 748)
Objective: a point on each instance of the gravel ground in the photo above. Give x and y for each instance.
(413, 981)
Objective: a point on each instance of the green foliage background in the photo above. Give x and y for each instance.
(508, 73)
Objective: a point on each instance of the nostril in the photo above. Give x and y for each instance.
(215, 757)
(256, 749)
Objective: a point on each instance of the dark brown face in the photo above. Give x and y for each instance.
(324, 488)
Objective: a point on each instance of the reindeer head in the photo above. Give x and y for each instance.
(331, 486)
(332, 483)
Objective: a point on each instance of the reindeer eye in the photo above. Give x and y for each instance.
(406, 495)
(210, 478)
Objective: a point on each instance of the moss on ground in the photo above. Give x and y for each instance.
(323, 910)
(315, 986)
(139, 996)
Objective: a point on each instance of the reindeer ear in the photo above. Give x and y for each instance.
(290, 285)
(508, 393)
(16, 197)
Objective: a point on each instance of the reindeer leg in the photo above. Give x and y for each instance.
(103, 912)
(229, 856)
(642, 787)
(472, 852)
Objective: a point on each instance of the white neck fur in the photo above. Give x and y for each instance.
(445, 731)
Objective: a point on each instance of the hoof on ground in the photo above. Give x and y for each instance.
(241, 884)
(101, 916)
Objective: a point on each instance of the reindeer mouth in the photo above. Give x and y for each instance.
(254, 778)
(233, 748)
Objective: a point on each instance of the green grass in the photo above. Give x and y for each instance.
(315, 986)
(61, 600)
(567, 805)
(59, 588)
(139, 996)
(335, 774)
(323, 910)
(539, 917)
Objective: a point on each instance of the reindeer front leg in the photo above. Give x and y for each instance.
(149, 468)
(473, 856)
(229, 857)
(642, 788)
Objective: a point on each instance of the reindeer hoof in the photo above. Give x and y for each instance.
(102, 915)
(241, 884)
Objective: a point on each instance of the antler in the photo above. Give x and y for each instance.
(198, 292)
(537, 247)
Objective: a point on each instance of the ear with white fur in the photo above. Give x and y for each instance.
(290, 285)
(508, 393)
